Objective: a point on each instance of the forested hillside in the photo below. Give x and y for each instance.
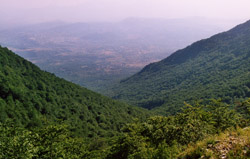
(31, 97)
(200, 131)
(43, 116)
(217, 67)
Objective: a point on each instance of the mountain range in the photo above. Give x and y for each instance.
(217, 67)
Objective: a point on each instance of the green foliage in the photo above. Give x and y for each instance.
(53, 141)
(223, 116)
(217, 67)
(165, 137)
(158, 137)
(244, 108)
(28, 94)
(15, 142)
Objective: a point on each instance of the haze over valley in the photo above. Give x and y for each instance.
(115, 79)
(97, 55)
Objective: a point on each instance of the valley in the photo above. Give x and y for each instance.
(192, 104)
(97, 55)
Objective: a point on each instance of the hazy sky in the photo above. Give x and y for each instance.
(26, 11)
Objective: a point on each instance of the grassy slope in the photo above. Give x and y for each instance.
(230, 144)
(30, 96)
(211, 68)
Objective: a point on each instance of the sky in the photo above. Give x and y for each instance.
(35, 11)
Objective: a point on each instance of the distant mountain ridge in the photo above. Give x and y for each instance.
(218, 67)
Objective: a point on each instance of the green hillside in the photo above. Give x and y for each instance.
(31, 97)
(43, 116)
(199, 131)
(218, 67)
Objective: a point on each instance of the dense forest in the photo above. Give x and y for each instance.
(43, 116)
(199, 131)
(31, 97)
(217, 67)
